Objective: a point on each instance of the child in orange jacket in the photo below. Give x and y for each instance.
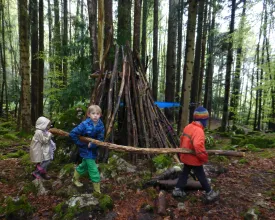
(193, 138)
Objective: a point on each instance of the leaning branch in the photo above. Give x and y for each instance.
(123, 148)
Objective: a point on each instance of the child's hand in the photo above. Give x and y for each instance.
(89, 145)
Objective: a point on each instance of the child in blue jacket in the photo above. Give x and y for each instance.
(92, 127)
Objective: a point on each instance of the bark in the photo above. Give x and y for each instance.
(108, 33)
(41, 58)
(65, 42)
(236, 81)
(124, 22)
(197, 61)
(23, 19)
(138, 150)
(137, 19)
(100, 34)
(34, 60)
(162, 203)
(144, 32)
(92, 11)
(171, 57)
(188, 64)
(229, 62)
(155, 52)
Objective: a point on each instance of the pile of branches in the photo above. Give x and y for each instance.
(128, 106)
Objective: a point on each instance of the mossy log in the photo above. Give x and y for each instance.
(131, 149)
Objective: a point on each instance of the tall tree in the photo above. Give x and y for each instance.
(236, 80)
(188, 64)
(41, 58)
(3, 63)
(155, 52)
(229, 62)
(144, 31)
(137, 19)
(108, 40)
(33, 9)
(124, 22)
(100, 36)
(207, 101)
(92, 11)
(65, 41)
(197, 62)
(171, 56)
(23, 19)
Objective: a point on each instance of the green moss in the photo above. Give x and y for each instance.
(260, 142)
(105, 202)
(219, 159)
(63, 211)
(251, 147)
(4, 144)
(267, 154)
(152, 193)
(15, 206)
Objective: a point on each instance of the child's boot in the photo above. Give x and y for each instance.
(75, 179)
(212, 196)
(97, 187)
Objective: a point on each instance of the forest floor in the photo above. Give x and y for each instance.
(248, 184)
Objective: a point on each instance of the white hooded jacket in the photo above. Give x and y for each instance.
(41, 142)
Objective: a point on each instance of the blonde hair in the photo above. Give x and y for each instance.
(94, 108)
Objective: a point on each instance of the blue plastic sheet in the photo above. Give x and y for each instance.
(163, 104)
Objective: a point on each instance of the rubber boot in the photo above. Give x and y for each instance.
(75, 179)
(97, 187)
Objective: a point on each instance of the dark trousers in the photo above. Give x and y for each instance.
(199, 173)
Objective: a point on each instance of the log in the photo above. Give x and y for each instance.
(162, 203)
(137, 150)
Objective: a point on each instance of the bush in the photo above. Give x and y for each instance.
(161, 161)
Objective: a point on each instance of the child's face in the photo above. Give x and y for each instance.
(95, 116)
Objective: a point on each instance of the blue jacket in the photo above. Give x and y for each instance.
(87, 129)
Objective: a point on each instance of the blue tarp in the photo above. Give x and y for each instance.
(167, 104)
(163, 104)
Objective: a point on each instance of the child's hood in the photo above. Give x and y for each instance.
(42, 123)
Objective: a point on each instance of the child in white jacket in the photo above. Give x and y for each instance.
(42, 148)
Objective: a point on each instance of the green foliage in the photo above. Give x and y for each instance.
(105, 202)
(10, 136)
(243, 161)
(8, 124)
(14, 208)
(16, 154)
(4, 130)
(210, 142)
(29, 187)
(161, 161)
(26, 162)
(251, 147)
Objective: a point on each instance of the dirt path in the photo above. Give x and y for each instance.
(246, 185)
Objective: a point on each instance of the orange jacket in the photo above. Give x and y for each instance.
(193, 138)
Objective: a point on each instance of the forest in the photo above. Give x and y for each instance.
(148, 64)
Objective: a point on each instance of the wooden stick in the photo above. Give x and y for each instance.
(122, 148)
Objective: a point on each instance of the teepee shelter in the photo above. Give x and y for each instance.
(129, 111)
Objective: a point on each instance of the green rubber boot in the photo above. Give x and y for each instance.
(75, 179)
(97, 187)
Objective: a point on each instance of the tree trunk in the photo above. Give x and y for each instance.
(155, 52)
(65, 42)
(41, 58)
(23, 19)
(236, 81)
(124, 22)
(136, 35)
(197, 62)
(144, 32)
(229, 62)
(92, 11)
(100, 34)
(188, 64)
(34, 60)
(171, 57)
(108, 29)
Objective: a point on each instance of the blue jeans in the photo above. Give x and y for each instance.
(199, 173)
